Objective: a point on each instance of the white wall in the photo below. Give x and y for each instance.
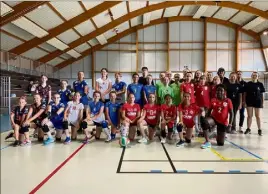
(70, 72)
(186, 50)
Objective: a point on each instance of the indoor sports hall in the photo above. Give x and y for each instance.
(134, 97)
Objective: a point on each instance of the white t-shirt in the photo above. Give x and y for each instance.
(103, 86)
(74, 110)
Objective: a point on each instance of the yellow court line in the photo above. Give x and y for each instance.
(213, 150)
(245, 159)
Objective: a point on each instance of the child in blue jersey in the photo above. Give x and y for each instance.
(54, 119)
(120, 88)
(112, 111)
(64, 92)
(95, 117)
(81, 86)
(148, 89)
(136, 89)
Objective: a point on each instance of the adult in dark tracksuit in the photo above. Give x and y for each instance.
(254, 101)
(242, 110)
(234, 93)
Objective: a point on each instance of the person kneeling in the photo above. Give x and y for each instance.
(130, 116)
(168, 115)
(73, 116)
(218, 115)
(95, 117)
(54, 119)
(187, 113)
(150, 117)
(17, 117)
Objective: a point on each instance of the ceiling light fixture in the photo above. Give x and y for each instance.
(265, 33)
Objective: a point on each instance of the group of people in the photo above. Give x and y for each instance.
(177, 105)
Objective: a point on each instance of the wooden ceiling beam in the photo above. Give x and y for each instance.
(20, 10)
(154, 22)
(147, 9)
(64, 27)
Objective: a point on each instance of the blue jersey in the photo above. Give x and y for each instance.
(120, 98)
(113, 110)
(119, 86)
(136, 89)
(80, 87)
(149, 89)
(64, 95)
(95, 107)
(54, 110)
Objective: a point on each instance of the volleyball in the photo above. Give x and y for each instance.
(124, 141)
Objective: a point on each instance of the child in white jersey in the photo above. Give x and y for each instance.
(73, 116)
(104, 85)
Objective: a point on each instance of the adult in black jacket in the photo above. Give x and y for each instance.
(254, 101)
(143, 78)
(234, 93)
(221, 73)
(242, 110)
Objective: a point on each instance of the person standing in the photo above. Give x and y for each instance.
(221, 73)
(176, 89)
(254, 101)
(242, 110)
(81, 86)
(234, 93)
(143, 79)
(104, 85)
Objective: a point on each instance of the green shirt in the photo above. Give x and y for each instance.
(164, 90)
(158, 85)
(177, 93)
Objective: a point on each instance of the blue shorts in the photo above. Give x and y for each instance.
(57, 123)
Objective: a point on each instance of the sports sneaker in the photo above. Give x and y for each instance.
(26, 143)
(86, 140)
(9, 135)
(67, 140)
(16, 143)
(180, 143)
(143, 140)
(240, 130)
(206, 145)
(163, 140)
(248, 131)
(108, 139)
(49, 140)
(233, 132)
(260, 132)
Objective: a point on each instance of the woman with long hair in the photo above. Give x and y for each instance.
(254, 90)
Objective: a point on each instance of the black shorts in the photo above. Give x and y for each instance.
(97, 124)
(208, 125)
(151, 126)
(254, 103)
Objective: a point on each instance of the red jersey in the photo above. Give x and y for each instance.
(213, 91)
(188, 114)
(131, 111)
(169, 111)
(189, 88)
(152, 112)
(220, 110)
(202, 93)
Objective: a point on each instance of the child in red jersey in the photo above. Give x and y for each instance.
(168, 115)
(217, 115)
(188, 87)
(202, 94)
(130, 115)
(150, 117)
(187, 112)
(216, 81)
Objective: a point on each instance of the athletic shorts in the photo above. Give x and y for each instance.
(254, 103)
(97, 124)
(220, 127)
(57, 123)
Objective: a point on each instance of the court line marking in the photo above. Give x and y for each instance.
(6, 147)
(256, 156)
(121, 160)
(56, 170)
(204, 173)
(227, 160)
(169, 159)
(213, 150)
